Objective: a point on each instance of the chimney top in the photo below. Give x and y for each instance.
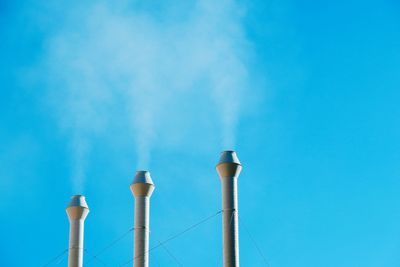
(77, 208)
(229, 164)
(142, 185)
(142, 177)
(78, 201)
(229, 156)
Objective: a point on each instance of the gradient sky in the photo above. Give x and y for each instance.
(307, 92)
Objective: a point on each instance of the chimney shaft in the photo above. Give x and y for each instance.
(229, 169)
(142, 188)
(77, 211)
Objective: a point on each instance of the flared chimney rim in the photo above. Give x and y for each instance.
(78, 201)
(142, 177)
(229, 156)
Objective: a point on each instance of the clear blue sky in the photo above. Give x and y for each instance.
(307, 92)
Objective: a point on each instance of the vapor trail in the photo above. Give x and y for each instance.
(168, 78)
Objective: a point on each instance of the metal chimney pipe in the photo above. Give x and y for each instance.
(229, 169)
(77, 211)
(142, 187)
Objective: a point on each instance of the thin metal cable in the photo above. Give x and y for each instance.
(61, 259)
(170, 254)
(55, 258)
(230, 223)
(173, 237)
(96, 258)
(113, 243)
(255, 243)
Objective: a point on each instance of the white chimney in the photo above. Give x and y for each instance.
(229, 169)
(142, 187)
(77, 211)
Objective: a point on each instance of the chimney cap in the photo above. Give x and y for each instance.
(229, 164)
(142, 177)
(77, 208)
(229, 156)
(142, 185)
(78, 201)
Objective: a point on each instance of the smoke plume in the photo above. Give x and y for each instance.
(168, 74)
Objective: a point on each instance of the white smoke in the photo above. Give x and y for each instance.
(167, 77)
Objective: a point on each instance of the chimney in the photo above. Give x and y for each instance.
(142, 187)
(229, 169)
(77, 211)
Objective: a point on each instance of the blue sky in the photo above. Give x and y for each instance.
(307, 93)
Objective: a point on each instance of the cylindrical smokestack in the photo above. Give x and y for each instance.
(142, 187)
(77, 211)
(229, 169)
